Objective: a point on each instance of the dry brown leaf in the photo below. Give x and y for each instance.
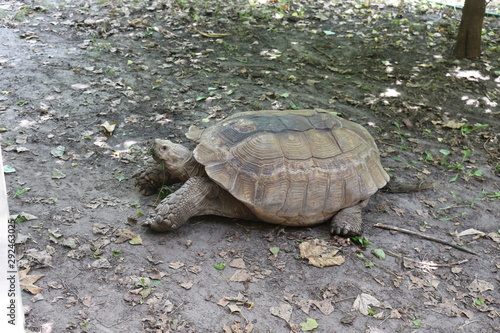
(305, 306)
(155, 274)
(233, 308)
(468, 232)
(248, 328)
(363, 302)
(124, 235)
(241, 275)
(453, 124)
(480, 286)
(450, 309)
(415, 283)
(39, 258)
(187, 285)
(325, 306)
(395, 314)
(176, 265)
(283, 311)
(237, 263)
(27, 281)
(398, 211)
(80, 86)
(47, 327)
(87, 300)
(320, 255)
(494, 237)
(223, 302)
(108, 127)
(194, 269)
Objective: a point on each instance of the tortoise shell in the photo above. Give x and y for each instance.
(294, 167)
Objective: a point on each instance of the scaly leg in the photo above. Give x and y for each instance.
(198, 196)
(152, 177)
(347, 222)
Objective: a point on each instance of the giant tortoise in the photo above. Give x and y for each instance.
(292, 167)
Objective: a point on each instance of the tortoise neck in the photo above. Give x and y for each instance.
(190, 168)
(195, 168)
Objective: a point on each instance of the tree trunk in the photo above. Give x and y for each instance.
(469, 34)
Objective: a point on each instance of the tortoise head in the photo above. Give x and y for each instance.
(177, 159)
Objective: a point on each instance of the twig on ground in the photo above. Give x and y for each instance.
(425, 263)
(418, 234)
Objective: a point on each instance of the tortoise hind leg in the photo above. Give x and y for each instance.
(347, 222)
(198, 196)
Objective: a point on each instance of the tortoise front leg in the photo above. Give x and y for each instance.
(347, 222)
(150, 179)
(198, 196)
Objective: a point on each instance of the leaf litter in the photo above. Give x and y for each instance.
(269, 56)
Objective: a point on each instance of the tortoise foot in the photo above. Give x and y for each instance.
(348, 222)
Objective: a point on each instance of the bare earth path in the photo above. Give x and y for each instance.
(72, 72)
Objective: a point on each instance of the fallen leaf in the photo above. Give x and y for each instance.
(195, 269)
(101, 263)
(37, 257)
(69, 242)
(320, 255)
(124, 235)
(450, 309)
(233, 308)
(309, 325)
(379, 253)
(47, 327)
(274, 250)
(8, 169)
(57, 174)
(237, 263)
(467, 232)
(223, 302)
(238, 298)
(187, 285)
(283, 311)
(87, 300)
(395, 314)
(176, 265)
(220, 266)
(480, 286)
(494, 237)
(241, 275)
(325, 306)
(27, 281)
(305, 305)
(80, 86)
(108, 128)
(248, 328)
(24, 216)
(453, 124)
(145, 292)
(58, 151)
(136, 240)
(363, 302)
(415, 283)
(100, 229)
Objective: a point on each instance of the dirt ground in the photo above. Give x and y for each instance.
(72, 72)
